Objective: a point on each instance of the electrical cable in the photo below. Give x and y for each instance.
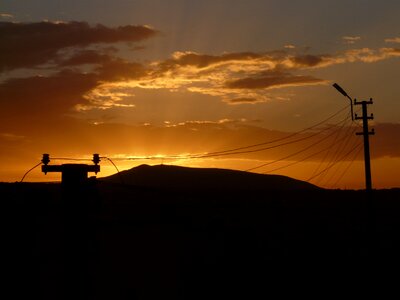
(72, 159)
(298, 152)
(235, 150)
(327, 168)
(347, 168)
(298, 161)
(339, 149)
(268, 148)
(332, 147)
(105, 157)
(231, 151)
(31, 169)
(115, 166)
(283, 138)
(276, 140)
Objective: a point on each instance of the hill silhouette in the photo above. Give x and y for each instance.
(176, 177)
(106, 240)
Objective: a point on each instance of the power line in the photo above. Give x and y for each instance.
(111, 162)
(271, 147)
(118, 172)
(299, 161)
(31, 169)
(240, 150)
(339, 149)
(71, 159)
(235, 150)
(347, 168)
(300, 151)
(327, 168)
(329, 150)
(280, 139)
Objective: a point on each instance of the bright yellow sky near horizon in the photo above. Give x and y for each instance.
(160, 79)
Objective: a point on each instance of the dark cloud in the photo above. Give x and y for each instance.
(37, 99)
(242, 101)
(85, 57)
(118, 69)
(31, 44)
(308, 60)
(108, 67)
(204, 60)
(270, 80)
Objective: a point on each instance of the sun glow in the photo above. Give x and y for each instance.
(194, 82)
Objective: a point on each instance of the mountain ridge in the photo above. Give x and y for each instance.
(171, 176)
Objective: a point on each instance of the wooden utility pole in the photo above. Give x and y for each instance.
(366, 133)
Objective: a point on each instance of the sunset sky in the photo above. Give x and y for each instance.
(173, 82)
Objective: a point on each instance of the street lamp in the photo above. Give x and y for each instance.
(366, 133)
(343, 92)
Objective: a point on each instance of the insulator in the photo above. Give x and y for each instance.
(96, 158)
(46, 159)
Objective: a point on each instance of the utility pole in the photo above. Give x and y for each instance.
(366, 133)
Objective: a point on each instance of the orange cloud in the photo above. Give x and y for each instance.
(391, 51)
(393, 40)
(351, 39)
(216, 75)
(244, 77)
(289, 46)
(5, 15)
(236, 78)
(367, 55)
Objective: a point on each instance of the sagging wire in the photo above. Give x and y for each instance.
(347, 168)
(300, 151)
(115, 166)
(327, 168)
(333, 146)
(298, 161)
(110, 160)
(31, 169)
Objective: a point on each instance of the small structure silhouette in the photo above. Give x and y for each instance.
(72, 174)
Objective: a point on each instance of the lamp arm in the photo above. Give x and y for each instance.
(351, 108)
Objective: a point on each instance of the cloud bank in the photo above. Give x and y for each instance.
(81, 71)
(25, 45)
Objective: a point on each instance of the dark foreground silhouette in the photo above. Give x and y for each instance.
(108, 240)
(184, 178)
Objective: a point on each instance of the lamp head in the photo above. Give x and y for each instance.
(340, 90)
